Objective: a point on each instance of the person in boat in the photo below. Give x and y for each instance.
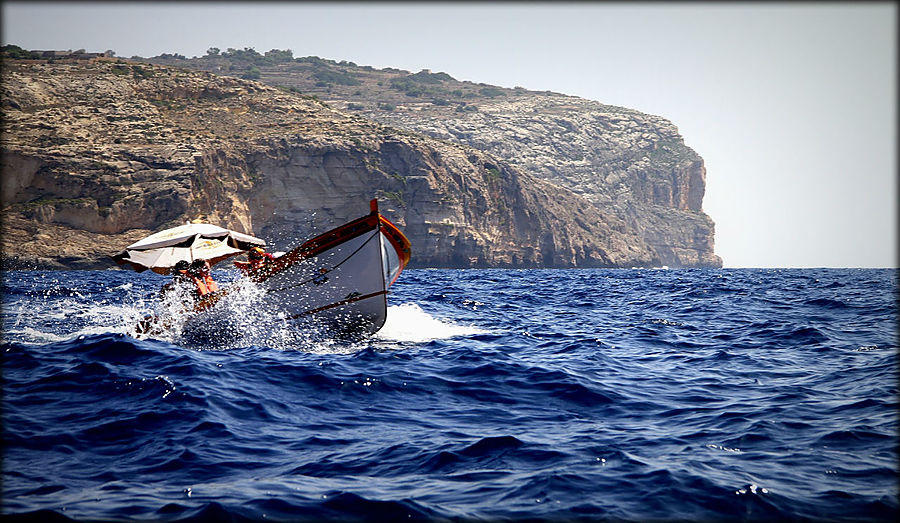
(204, 284)
(180, 277)
(190, 282)
(256, 260)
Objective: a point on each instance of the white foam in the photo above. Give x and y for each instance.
(32, 336)
(89, 319)
(408, 322)
(247, 323)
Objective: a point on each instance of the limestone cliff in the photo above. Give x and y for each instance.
(97, 154)
(628, 164)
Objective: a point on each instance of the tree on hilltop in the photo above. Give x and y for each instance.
(277, 55)
(247, 53)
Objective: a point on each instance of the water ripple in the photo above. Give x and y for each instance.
(534, 395)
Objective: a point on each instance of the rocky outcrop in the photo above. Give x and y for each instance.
(98, 154)
(628, 164)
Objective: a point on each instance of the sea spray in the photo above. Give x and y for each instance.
(409, 323)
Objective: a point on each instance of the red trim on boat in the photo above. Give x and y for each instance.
(317, 245)
(335, 237)
(398, 240)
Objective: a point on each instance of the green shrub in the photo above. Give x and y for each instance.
(396, 197)
(427, 77)
(139, 72)
(17, 53)
(248, 53)
(335, 77)
(491, 92)
(315, 60)
(411, 87)
(277, 56)
(252, 74)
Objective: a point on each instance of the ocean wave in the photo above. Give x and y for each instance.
(489, 395)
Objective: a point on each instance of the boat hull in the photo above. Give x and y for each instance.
(344, 287)
(335, 284)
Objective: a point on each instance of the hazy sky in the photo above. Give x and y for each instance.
(792, 106)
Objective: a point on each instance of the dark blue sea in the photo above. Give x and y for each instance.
(490, 395)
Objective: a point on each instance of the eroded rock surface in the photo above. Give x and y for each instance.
(98, 154)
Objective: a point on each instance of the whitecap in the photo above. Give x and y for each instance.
(407, 322)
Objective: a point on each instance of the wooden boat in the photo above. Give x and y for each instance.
(336, 282)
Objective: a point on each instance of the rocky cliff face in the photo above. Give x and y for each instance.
(628, 164)
(98, 154)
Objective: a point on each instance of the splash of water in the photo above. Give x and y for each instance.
(237, 322)
(409, 323)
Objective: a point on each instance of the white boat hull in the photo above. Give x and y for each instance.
(344, 287)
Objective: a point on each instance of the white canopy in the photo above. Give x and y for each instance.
(160, 251)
